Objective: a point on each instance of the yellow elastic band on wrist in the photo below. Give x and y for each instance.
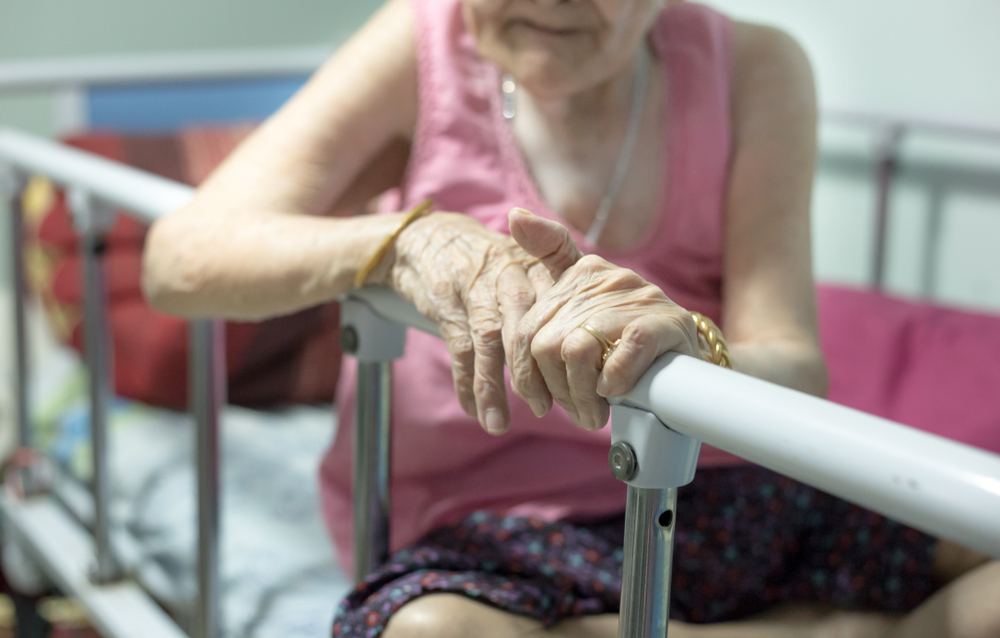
(416, 213)
(713, 336)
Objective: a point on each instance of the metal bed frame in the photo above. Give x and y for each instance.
(932, 483)
(888, 169)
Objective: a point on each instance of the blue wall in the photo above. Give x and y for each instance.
(168, 106)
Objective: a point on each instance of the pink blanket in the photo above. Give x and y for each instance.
(933, 368)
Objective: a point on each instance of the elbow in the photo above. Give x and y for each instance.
(168, 272)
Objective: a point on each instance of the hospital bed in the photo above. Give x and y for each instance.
(934, 484)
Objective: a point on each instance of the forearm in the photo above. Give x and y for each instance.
(253, 266)
(793, 364)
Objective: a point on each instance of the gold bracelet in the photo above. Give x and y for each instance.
(416, 213)
(716, 343)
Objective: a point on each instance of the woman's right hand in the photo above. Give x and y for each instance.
(448, 266)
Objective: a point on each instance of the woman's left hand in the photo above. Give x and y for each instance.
(552, 357)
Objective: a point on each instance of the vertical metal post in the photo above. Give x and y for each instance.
(885, 172)
(932, 243)
(649, 545)
(371, 467)
(207, 388)
(654, 461)
(92, 220)
(14, 184)
(374, 341)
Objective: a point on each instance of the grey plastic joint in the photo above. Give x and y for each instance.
(646, 453)
(367, 336)
(90, 215)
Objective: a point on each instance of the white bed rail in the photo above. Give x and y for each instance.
(96, 187)
(145, 196)
(59, 73)
(934, 484)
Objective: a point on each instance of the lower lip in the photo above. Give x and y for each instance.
(551, 33)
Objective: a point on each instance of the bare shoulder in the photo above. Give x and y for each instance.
(752, 39)
(759, 48)
(333, 132)
(772, 77)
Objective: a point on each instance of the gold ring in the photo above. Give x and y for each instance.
(607, 345)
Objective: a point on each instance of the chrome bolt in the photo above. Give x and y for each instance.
(624, 465)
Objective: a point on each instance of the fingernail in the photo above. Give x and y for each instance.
(603, 386)
(538, 406)
(494, 422)
(524, 212)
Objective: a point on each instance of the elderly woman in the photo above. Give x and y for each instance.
(672, 146)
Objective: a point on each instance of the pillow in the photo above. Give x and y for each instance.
(295, 358)
(927, 366)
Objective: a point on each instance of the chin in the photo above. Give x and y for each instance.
(546, 88)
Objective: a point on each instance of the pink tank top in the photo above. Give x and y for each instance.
(466, 159)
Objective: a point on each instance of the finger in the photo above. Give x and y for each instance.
(560, 298)
(440, 303)
(544, 239)
(643, 340)
(458, 341)
(516, 296)
(525, 349)
(582, 354)
(540, 278)
(489, 389)
(546, 350)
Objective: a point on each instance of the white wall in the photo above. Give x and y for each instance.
(924, 59)
(939, 59)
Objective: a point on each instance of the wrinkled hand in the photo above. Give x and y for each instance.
(448, 266)
(552, 358)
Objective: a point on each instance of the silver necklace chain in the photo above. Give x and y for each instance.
(508, 88)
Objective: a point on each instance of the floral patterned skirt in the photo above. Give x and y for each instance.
(746, 539)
